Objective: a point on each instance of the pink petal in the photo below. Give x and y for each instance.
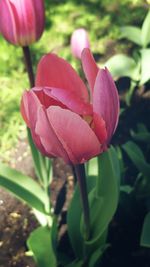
(22, 22)
(79, 41)
(106, 101)
(7, 23)
(89, 66)
(24, 108)
(39, 10)
(29, 110)
(54, 71)
(75, 135)
(46, 99)
(63, 98)
(47, 136)
(100, 128)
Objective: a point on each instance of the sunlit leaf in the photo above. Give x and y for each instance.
(92, 167)
(145, 69)
(121, 65)
(131, 33)
(23, 187)
(145, 36)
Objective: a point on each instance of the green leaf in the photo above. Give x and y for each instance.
(73, 221)
(92, 167)
(104, 198)
(42, 164)
(137, 157)
(103, 203)
(121, 65)
(40, 243)
(132, 33)
(24, 187)
(142, 134)
(76, 263)
(145, 69)
(145, 236)
(97, 254)
(145, 36)
(141, 127)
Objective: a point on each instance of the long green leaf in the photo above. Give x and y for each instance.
(145, 36)
(40, 243)
(145, 236)
(142, 134)
(24, 187)
(131, 33)
(121, 65)
(145, 69)
(104, 198)
(42, 164)
(137, 157)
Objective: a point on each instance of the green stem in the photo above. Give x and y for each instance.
(81, 176)
(28, 64)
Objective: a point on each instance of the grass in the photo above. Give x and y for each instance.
(62, 17)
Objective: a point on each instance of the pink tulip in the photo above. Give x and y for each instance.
(64, 122)
(79, 41)
(22, 21)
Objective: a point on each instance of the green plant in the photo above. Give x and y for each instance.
(135, 67)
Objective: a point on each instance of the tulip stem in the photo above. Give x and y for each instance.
(81, 176)
(74, 173)
(28, 64)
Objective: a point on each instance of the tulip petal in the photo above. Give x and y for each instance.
(100, 128)
(106, 101)
(22, 22)
(39, 11)
(48, 137)
(89, 66)
(63, 98)
(46, 99)
(53, 71)
(29, 110)
(24, 108)
(7, 23)
(79, 40)
(75, 135)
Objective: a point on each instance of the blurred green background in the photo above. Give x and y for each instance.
(101, 18)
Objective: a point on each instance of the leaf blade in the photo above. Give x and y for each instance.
(131, 33)
(24, 187)
(40, 243)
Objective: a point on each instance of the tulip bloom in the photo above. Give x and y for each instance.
(22, 21)
(79, 41)
(64, 121)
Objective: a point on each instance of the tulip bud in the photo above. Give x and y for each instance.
(22, 21)
(79, 41)
(63, 121)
